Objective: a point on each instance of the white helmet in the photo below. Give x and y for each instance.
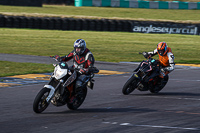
(80, 43)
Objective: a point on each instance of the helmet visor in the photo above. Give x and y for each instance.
(161, 52)
(79, 50)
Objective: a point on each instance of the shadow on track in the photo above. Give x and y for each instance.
(169, 94)
(104, 110)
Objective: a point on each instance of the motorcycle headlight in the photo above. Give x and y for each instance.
(59, 73)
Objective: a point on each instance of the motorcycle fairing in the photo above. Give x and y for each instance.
(70, 79)
(143, 74)
(59, 72)
(141, 64)
(138, 66)
(146, 68)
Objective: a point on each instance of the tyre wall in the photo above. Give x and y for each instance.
(65, 2)
(56, 23)
(37, 3)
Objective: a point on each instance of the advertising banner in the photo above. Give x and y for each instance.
(167, 29)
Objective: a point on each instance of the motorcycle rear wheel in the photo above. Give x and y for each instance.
(158, 88)
(40, 103)
(129, 86)
(78, 100)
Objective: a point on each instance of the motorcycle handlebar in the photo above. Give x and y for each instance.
(92, 70)
(145, 54)
(55, 57)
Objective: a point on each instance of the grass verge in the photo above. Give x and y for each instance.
(13, 68)
(106, 46)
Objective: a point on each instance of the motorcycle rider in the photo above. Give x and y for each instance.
(166, 58)
(83, 61)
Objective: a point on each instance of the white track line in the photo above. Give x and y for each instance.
(151, 126)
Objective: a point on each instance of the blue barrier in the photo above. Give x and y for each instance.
(139, 4)
(163, 5)
(143, 4)
(78, 3)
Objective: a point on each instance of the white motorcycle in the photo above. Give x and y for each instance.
(61, 89)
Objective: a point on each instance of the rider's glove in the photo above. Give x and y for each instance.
(162, 70)
(58, 58)
(82, 71)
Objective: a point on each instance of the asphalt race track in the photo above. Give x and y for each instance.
(176, 109)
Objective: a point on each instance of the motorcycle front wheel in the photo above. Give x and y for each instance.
(78, 99)
(40, 103)
(129, 86)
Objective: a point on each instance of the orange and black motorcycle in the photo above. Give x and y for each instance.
(61, 89)
(146, 77)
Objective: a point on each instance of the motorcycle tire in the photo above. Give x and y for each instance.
(78, 100)
(158, 88)
(129, 86)
(40, 103)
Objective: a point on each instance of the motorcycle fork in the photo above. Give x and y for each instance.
(139, 82)
(51, 85)
(58, 91)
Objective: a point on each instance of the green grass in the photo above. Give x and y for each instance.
(106, 46)
(105, 12)
(14, 68)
